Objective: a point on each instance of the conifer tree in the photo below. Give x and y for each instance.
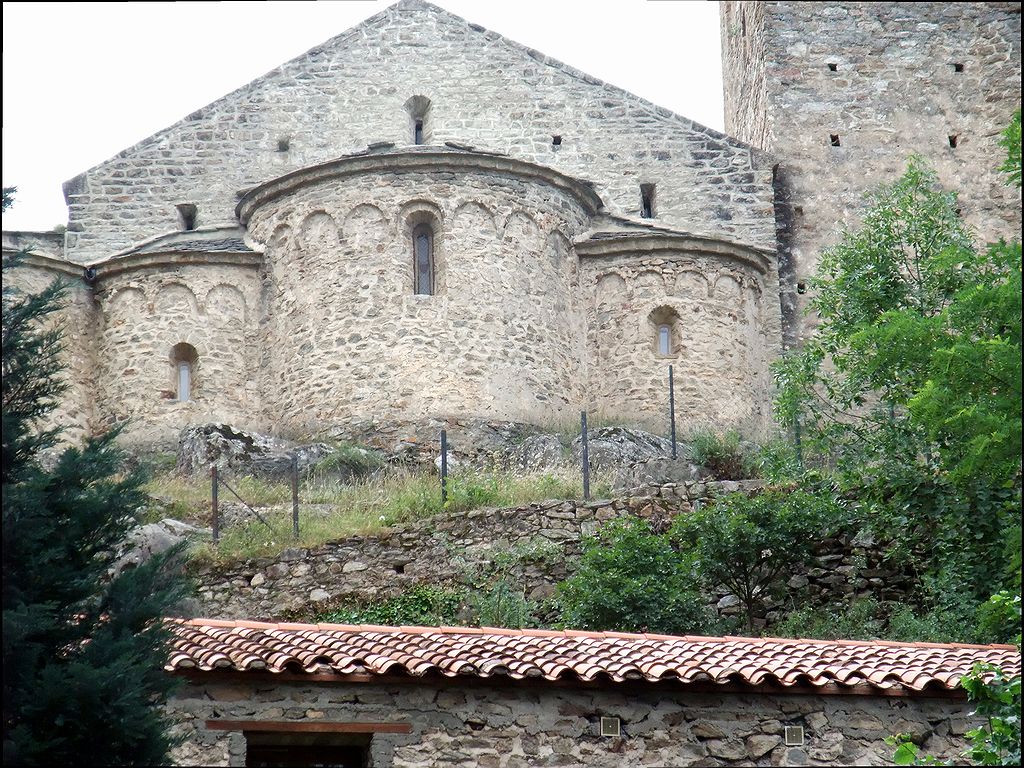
(83, 653)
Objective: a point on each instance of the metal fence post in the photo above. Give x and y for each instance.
(672, 408)
(295, 496)
(444, 467)
(586, 456)
(213, 498)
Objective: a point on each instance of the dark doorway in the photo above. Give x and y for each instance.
(326, 750)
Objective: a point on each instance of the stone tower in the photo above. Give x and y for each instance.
(842, 93)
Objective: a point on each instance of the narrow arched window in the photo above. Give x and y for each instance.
(184, 381)
(183, 367)
(664, 323)
(665, 339)
(423, 259)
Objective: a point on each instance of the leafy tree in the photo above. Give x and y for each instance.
(997, 699)
(911, 387)
(750, 544)
(83, 653)
(632, 580)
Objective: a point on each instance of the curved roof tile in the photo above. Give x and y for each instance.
(209, 644)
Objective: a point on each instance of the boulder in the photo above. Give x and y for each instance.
(151, 539)
(536, 452)
(611, 447)
(238, 452)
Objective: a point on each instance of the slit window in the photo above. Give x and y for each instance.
(953, 141)
(664, 322)
(417, 132)
(183, 363)
(834, 139)
(187, 216)
(423, 259)
(646, 201)
(665, 340)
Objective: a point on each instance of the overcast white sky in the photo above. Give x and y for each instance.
(82, 81)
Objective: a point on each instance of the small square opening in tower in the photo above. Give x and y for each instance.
(646, 201)
(187, 216)
(283, 144)
(834, 139)
(953, 141)
(556, 141)
(958, 67)
(833, 67)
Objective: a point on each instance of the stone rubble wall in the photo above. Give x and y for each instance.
(515, 726)
(346, 338)
(143, 314)
(484, 91)
(75, 412)
(894, 92)
(442, 549)
(724, 321)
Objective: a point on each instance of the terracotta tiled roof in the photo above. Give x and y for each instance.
(208, 644)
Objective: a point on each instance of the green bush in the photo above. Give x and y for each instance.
(748, 544)
(724, 455)
(502, 605)
(632, 580)
(347, 461)
(856, 621)
(425, 606)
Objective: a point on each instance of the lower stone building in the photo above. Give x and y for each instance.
(296, 694)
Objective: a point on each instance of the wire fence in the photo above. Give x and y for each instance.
(217, 481)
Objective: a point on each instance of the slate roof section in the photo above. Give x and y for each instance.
(226, 245)
(241, 646)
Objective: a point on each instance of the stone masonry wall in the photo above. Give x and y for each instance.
(144, 313)
(510, 726)
(74, 411)
(888, 80)
(441, 550)
(722, 315)
(482, 90)
(346, 338)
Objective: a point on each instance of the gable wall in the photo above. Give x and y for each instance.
(484, 92)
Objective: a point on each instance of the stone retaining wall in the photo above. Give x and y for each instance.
(441, 550)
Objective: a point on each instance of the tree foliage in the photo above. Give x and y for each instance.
(911, 387)
(750, 544)
(83, 653)
(632, 580)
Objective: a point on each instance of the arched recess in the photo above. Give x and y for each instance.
(663, 325)
(477, 222)
(184, 368)
(611, 290)
(176, 299)
(691, 284)
(522, 232)
(225, 304)
(318, 231)
(423, 244)
(418, 109)
(126, 304)
(363, 227)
